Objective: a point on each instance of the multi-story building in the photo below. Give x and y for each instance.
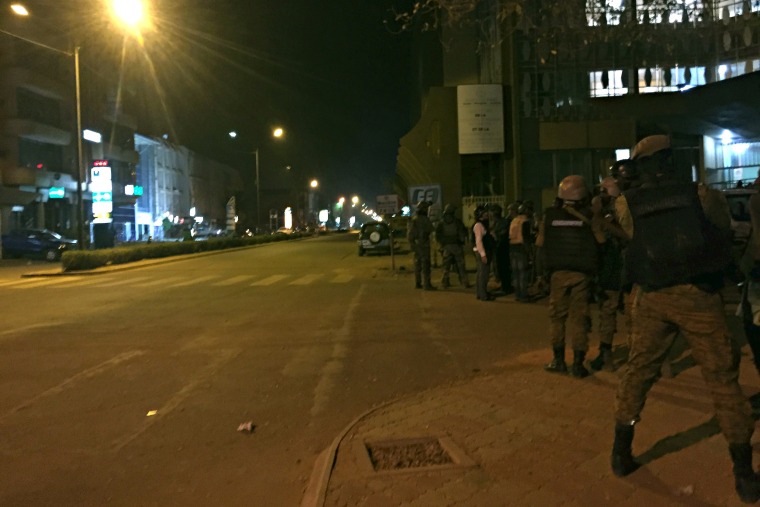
(577, 84)
(180, 188)
(39, 170)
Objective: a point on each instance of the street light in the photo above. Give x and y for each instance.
(277, 133)
(126, 11)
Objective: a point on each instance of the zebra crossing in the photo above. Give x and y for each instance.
(58, 282)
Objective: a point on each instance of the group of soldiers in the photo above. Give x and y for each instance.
(503, 247)
(646, 241)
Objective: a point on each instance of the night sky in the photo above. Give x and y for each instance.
(330, 73)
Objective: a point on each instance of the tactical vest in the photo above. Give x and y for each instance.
(569, 243)
(673, 241)
(449, 232)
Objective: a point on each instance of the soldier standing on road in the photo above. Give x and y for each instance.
(451, 234)
(570, 242)
(676, 257)
(484, 246)
(418, 234)
(609, 278)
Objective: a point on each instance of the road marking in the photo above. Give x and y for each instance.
(342, 279)
(113, 283)
(269, 280)
(46, 282)
(306, 280)
(232, 281)
(194, 281)
(71, 381)
(331, 371)
(15, 330)
(223, 357)
(160, 281)
(90, 280)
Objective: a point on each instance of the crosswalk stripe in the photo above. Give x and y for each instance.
(194, 281)
(306, 280)
(159, 281)
(113, 283)
(269, 280)
(46, 282)
(233, 280)
(342, 279)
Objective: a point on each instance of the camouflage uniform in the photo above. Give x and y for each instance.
(418, 234)
(451, 234)
(700, 316)
(568, 309)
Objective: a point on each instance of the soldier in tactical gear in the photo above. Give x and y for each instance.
(451, 234)
(676, 257)
(610, 275)
(418, 233)
(570, 242)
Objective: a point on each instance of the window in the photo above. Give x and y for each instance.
(40, 155)
(38, 108)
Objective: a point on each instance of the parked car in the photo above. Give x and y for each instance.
(37, 243)
(375, 237)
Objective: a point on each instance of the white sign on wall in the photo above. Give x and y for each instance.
(387, 204)
(480, 118)
(101, 187)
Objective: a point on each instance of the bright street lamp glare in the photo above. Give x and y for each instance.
(233, 134)
(354, 199)
(314, 183)
(19, 10)
(130, 12)
(278, 132)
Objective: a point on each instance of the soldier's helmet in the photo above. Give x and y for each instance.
(524, 209)
(514, 206)
(495, 208)
(572, 188)
(423, 206)
(650, 146)
(480, 211)
(449, 209)
(609, 186)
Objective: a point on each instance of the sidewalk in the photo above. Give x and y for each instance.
(525, 437)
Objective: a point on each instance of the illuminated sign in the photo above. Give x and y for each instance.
(101, 187)
(56, 193)
(92, 136)
(135, 190)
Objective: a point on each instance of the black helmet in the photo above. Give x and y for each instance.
(423, 205)
(449, 209)
(480, 210)
(524, 209)
(495, 208)
(514, 206)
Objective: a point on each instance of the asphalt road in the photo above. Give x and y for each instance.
(128, 388)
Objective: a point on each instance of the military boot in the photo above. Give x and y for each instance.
(622, 459)
(604, 360)
(445, 282)
(558, 364)
(578, 370)
(747, 482)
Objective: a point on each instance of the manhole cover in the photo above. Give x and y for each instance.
(403, 454)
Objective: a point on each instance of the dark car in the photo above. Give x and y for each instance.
(375, 237)
(36, 243)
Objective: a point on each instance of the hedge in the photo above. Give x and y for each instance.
(77, 260)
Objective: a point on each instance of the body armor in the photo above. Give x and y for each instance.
(569, 242)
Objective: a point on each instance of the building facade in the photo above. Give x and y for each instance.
(582, 81)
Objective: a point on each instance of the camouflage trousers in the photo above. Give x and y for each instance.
(608, 308)
(700, 317)
(453, 259)
(568, 309)
(422, 264)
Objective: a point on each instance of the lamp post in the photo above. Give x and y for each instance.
(277, 133)
(130, 12)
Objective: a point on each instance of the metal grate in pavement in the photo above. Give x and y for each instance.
(413, 454)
